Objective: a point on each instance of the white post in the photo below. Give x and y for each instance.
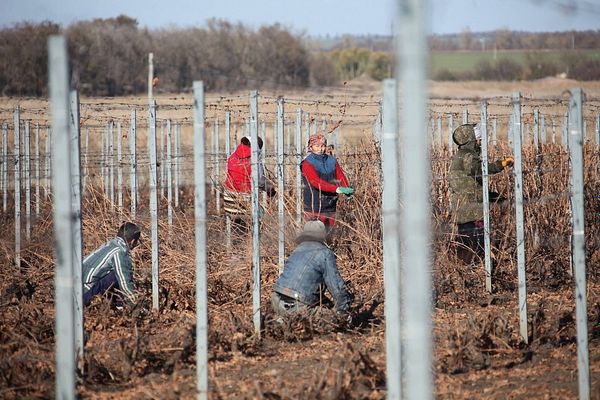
(63, 221)
(200, 230)
(450, 131)
(17, 156)
(298, 171)
(168, 166)
(177, 156)
(162, 159)
(75, 170)
(86, 165)
(37, 170)
(119, 167)
(150, 76)
(217, 168)
(486, 197)
(27, 176)
(152, 178)
(280, 183)
(518, 169)
(47, 162)
(5, 169)
(416, 214)
(254, 159)
(576, 139)
(133, 163)
(391, 240)
(111, 155)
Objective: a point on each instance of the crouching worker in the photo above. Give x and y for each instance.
(109, 268)
(311, 266)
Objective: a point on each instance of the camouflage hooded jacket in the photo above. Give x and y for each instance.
(466, 189)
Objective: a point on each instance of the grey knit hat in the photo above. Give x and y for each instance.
(313, 230)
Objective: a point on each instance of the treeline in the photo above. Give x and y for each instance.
(504, 39)
(501, 39)
(109, 57)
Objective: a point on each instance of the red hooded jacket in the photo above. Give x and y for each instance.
(238, 170)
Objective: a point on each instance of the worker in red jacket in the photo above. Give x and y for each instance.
(238, 184)
(323, 180)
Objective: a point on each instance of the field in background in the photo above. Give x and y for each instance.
(461, 61)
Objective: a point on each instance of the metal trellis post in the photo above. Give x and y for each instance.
(17, 197)
(119, 167)
(254, 159)
(576, 140)
(200, 230)
(169, 176)
(75, 171)
(153, 180)
(63, 221)
(27, 179)
(518, 170)
(415, 218)
(133, 163)
(298, 171)
(486, 196)
(280, 183)
(391, 240)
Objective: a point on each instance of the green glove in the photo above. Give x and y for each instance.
(344, 190)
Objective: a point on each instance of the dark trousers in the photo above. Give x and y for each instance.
(471, 241)
(108, 282)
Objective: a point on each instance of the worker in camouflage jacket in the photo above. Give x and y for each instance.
(466, 189)
(109, 268)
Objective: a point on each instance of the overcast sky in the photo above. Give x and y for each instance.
(317, 17)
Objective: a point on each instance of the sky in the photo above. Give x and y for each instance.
(317, 17)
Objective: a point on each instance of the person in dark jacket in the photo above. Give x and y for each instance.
(323, 180)
(238, 186)
(466, 190)
(109, 267)
(310, 268)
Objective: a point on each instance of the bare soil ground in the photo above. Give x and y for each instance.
(477, 352)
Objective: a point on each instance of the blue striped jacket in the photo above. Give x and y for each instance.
(112, 256)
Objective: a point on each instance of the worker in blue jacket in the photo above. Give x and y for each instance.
(109, 267)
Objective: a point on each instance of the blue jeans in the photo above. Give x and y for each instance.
(108, 282)
(283, 305)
